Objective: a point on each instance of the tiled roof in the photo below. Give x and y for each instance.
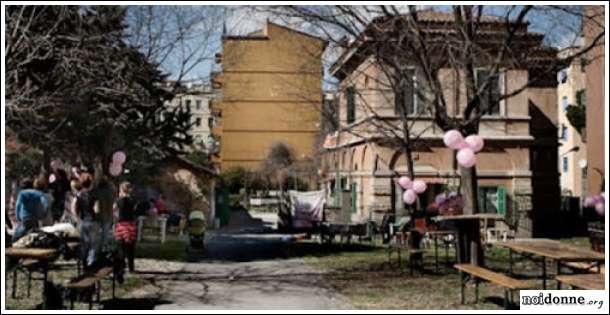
(438, 16)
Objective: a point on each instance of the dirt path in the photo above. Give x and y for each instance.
(232, 281)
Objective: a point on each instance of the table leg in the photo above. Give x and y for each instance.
(446, 254)
(544, 273)
(436, 253)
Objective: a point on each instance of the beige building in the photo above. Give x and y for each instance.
(514, 174)
(271, 85)
(596, 101)
(572, 149)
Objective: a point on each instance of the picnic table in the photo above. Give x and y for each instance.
(40, 256)
(587, 281)
(549, 249)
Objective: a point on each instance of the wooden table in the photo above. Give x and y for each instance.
(551, 249)
(42, 255)
(587, 281)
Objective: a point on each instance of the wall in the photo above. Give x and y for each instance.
(271, 93)
(596, 114)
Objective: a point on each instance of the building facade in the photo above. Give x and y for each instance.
(271, 85)
(596, 104)
(572, 149)
(198, 99)
(513, 172)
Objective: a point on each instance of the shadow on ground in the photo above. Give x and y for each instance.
(251, 247)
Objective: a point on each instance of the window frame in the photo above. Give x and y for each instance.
(350, 115)
(501, 90)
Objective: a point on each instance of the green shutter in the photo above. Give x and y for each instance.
(354, 198)
(502, 200)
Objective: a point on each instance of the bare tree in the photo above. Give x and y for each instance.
(402, 40)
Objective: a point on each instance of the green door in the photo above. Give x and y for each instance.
(502, 201)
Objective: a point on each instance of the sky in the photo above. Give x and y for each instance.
(560, 29)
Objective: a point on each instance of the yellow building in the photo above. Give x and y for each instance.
(271, 87)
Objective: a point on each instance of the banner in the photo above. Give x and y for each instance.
(306, 207)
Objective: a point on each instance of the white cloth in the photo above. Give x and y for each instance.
(306, 207)
(67, 229)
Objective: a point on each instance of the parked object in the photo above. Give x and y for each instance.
(196, 229)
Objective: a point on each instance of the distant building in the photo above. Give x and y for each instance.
(571, 94)
(596, 114)
(197, 97)
(271, 86)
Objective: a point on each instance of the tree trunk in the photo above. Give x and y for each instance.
(469, 189)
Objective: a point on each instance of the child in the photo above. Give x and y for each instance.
(126, 229)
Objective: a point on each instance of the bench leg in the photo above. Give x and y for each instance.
(476, 290)
(72, 296)
(113, 285)
(14, 293)
(544, 273)
(506, 299)
(558, 273)
(436, 254)
(29, 282)
(98, 288)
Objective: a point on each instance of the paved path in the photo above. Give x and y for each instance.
(240, 272)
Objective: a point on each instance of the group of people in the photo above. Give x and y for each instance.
(87, 201)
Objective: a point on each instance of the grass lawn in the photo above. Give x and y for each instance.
(363, 275)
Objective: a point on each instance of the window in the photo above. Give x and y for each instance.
(563, 76)
(354, 198)
(564, 132)
(581, 98)
(198, 104)
(565, 164)
(490, 103)
(351, 105)
(583, 65)
(188, 104)
(492, 199)
(198, 121)
(564, 103)
(406, 97)
(211, 122)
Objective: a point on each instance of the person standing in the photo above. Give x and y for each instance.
(86, 208)
(126, 229)
(105, 193)
(59, 188)
(31, 206)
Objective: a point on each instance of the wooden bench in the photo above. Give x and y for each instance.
(587, 281)
(585, 266)
(509, 284)
(92, 283)
(401, 242)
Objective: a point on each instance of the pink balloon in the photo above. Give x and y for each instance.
(474, 142)
(409, 196)
(52, 178)
(466, 158)
(115, 169)
(453, 139)
(119, 157)
(405, 182)
(589, 202)
(600, 208)
(419, 186)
